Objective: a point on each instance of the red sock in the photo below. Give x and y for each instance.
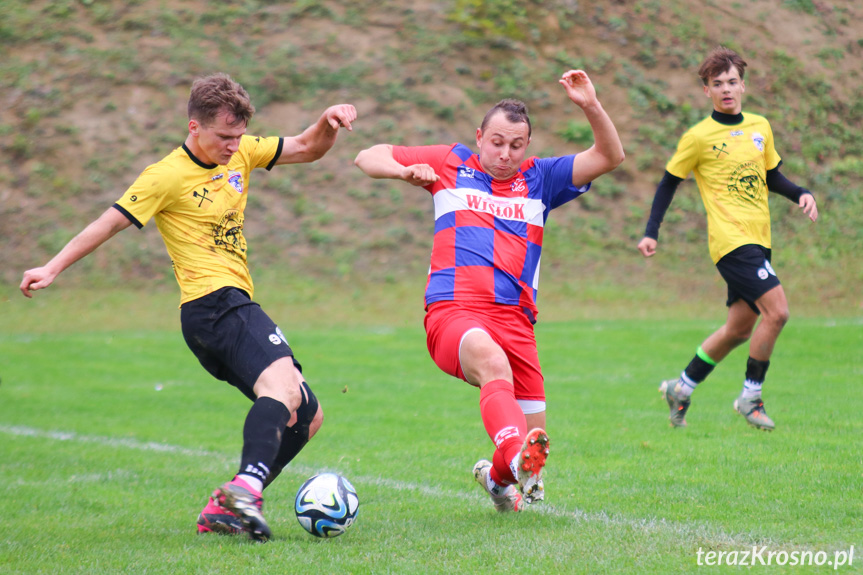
(505, 424)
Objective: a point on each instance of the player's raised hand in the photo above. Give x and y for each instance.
(810, 208)
(341, 115)
(419, 175)
(36, 279)
(647, 246)
(579, 88)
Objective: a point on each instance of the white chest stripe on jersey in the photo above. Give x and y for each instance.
(516, 209)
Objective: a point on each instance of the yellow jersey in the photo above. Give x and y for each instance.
(199, 210)
(730, 163)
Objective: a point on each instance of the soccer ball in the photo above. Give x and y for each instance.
(326, 505)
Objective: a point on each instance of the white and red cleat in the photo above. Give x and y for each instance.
(505, 498)
(530, 462)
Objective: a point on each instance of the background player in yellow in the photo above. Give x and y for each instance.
(197, 196)
(735, 164)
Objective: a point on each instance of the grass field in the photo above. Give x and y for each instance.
(111, 440)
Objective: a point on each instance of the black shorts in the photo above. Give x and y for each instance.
(232, 337)
(748, 273)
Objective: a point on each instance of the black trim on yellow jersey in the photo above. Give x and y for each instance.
(727, 119)
(197, 161)
(276, 155)
(129, 216)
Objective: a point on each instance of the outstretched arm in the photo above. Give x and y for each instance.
(777, 182)
(664, 194)
(94, 235)
(607, 151)
(318, 138)
(378, 162)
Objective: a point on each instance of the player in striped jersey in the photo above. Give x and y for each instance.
(490, 212)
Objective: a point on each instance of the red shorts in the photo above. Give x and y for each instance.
(447, 322)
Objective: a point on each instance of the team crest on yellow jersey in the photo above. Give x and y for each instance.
(236, 180)
(758, 140)
(228, 233)
(745, 183)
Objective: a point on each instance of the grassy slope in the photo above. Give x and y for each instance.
(94, 91)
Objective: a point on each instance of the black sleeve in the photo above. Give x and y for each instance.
(778, 183)
(664, 194)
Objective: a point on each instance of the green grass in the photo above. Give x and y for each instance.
(106, 474)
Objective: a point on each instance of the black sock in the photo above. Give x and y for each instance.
(297, 436)
(292, 443)
(698, 369)
(756, 370)
(262, 436)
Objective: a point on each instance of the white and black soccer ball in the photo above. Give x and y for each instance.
(326, 505)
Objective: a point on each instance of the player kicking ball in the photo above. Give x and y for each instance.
(735, 164)
(490, 210)
(197, 196)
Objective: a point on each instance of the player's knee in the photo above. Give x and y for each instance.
(777, 317)
(290, 395)
(496, 366)
(287, 395)
(483, 360)
(309, 414)
(281, 381)
(317, 422)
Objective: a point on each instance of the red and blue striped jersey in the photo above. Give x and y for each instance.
(488, 233)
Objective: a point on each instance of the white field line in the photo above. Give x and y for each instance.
(697, 533)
